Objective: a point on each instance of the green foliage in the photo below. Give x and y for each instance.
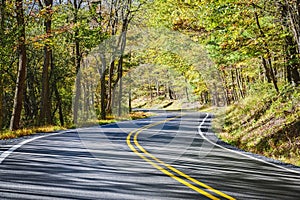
(196, 49)
(63, 71)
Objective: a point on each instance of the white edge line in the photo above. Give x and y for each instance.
(7, 153)
(240, 153)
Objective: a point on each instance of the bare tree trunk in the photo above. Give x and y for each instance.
(45, 113)
(109, 94)
(171, 93)
(2, 27)
(227, 96)
(267, 70)
(293, 15)
(102, 72)
(243, 83)
(234, 93)
(103, 97)
(186, 90)
(239, 83)
(78, 78)
(20, 86)
(120, 87)
(295, 76)
(129, 96)
(78, 57)
(113, 23)
(150, 89)
(206, 97)
(292, 66)
(273, 76)
(215, 96)
(262, 34)
(59, 104)
(87, 103)
(290, 20)
(1, 101)
(77, 97)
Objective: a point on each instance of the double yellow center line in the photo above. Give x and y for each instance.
(168, 169)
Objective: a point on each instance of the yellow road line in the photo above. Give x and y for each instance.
(174, 169)
(170, 167)
(169, 173)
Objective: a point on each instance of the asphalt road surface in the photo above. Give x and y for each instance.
(170, 156)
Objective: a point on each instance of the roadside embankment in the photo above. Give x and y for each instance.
(266, 124)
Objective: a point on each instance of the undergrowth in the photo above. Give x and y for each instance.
(7, 134)
(266, 123)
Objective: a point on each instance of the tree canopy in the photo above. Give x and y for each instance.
(218, 50)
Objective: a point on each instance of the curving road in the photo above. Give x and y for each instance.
(170, 156)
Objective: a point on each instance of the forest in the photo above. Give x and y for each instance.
(64, 62)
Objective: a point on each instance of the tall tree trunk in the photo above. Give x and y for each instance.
(290, 20)
(120, 94)
(262, 34)
(239, 83)
(289, 73)
(273, 75)
(267, 70)
(20, 84)
(59, 105)
(226, 92)
(206, 97)
(45, 113)
(113, 24)
(291, 11)
(130, 88)
(32, 94)
(109, 94)
(295, 75)
(150, 89)
(215, 95)
(77, 96)
(85, 101)
(243, 83)
(27, 105)
(78, 58)
(171, 93)
(292, 65)
(103, 97)
(102, 72)
(129, 95)
(1, 101)
(234, 92)
(120, 68)
(186, 90)
(2, 28)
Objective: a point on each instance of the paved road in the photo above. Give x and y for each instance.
(164, 157)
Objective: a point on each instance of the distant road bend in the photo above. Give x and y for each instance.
(173, 155)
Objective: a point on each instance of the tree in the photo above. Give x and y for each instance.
(45, 110)
(76, 6)
(2, 29)
(20, 84)
(288, 12)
